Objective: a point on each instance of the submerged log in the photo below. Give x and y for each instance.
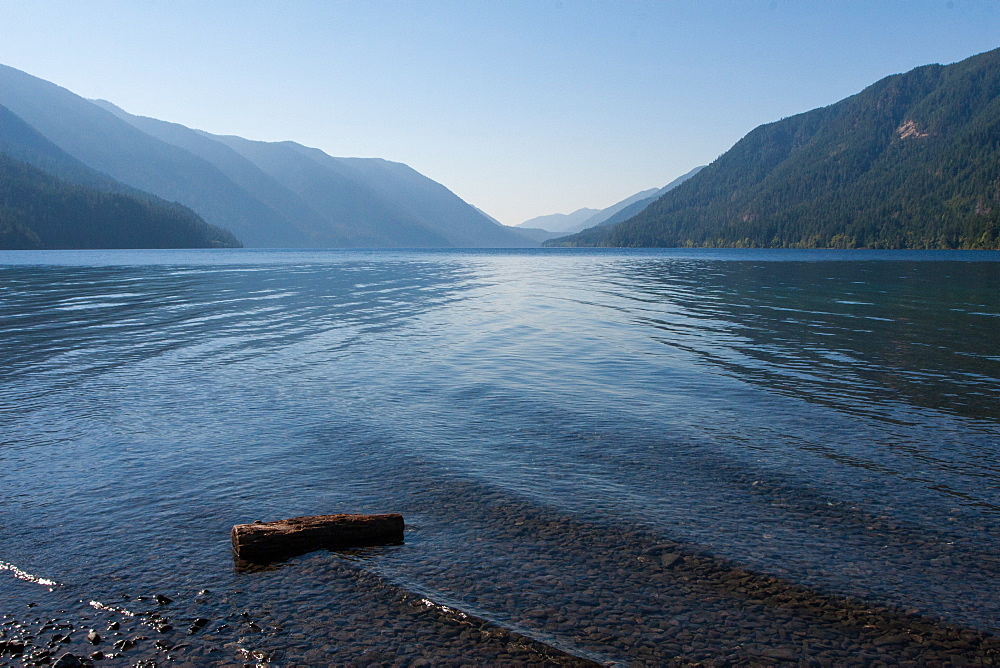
(273, 541)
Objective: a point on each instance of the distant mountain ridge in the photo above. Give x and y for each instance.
(538, 234)
(110, 146)
(912, 161)
(268, 194)
(602, 215)
(554, 225)
(559, 222)
(339, 201)
(50, 200)
(630, 207)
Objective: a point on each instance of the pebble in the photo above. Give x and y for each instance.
(124, 644)
(68, 660)
(197, 625)
(12, 647)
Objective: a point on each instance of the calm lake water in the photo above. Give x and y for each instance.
(829, 418)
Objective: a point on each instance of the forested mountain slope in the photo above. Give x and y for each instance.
(632, 208)
(913, 161)
(49, 199)
(109, 145)
(268, 194)
(41, 211)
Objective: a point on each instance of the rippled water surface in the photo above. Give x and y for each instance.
(830, 418)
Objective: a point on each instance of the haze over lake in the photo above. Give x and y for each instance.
(826, 417)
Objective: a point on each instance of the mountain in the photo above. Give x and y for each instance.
(600, 216)
(109, 145)
(633, 205)
(488, 216)
(48, 199)
(548, 227)
(269, 195)
(630, 206)
(559, 222)
(41, 211)
(21, 142)
(537, 233)
(912, 161)
(339, 201)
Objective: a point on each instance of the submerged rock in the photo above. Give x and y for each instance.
(197, 625)
(124, 644)
(781, 653)
(668, 559)
(12, 647)
(68, 660)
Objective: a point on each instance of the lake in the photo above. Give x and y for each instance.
(546, 420)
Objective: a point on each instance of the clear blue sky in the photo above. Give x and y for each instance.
(521, 108)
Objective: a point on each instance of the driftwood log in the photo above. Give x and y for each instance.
(263, 542)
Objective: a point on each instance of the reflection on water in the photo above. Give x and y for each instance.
(859, 336)
(833, 422)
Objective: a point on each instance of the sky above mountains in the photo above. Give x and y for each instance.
(521, 108)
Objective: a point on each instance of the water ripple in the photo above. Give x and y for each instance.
(834, 422)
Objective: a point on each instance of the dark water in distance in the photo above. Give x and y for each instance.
(829, 417)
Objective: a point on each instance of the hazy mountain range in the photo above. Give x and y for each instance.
(559, 224)
(912, 161)
(638, 202)
(49, 199)
(267, 194)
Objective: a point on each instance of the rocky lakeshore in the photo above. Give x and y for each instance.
(156, 630)
(521, 585)
(695, 610)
